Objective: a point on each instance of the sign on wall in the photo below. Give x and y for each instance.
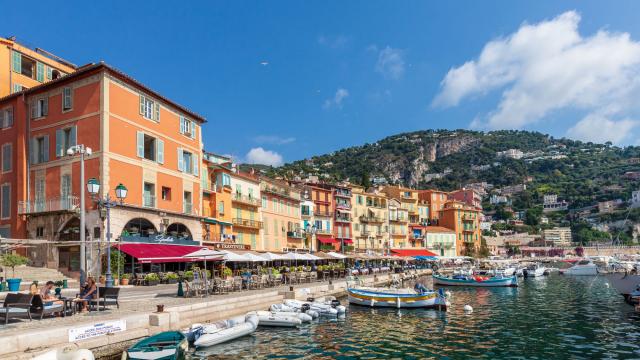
(91, 331)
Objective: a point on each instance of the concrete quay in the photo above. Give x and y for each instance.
(26, 339)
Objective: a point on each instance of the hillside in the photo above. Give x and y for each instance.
(579, 172)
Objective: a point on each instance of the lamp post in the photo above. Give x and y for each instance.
(93, 186)
(312, 230)
(81, 150)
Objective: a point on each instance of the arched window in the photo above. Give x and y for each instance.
(179, 230)
(139, 227)
(71, 231)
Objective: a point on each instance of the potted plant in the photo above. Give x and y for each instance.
(58, 288)
(151, 279)
(188, 275)
(226, 272)
(125, 279)
(13, 260)
(171, 278)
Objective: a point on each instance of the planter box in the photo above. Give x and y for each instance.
(171, 281)
(151, 282)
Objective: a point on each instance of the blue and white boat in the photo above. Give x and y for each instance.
(397, 298)
(476, 281)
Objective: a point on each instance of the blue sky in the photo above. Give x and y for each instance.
(280, 81)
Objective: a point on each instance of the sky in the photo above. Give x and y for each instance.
(285, 80)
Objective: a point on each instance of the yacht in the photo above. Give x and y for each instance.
(535, 270)
(584, 267)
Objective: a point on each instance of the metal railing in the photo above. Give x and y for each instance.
(279, 191)
(68, 203)
(247, 223)
(148, 200)
(371, 219)
(188, 207)
(297, 234)
(249, 200)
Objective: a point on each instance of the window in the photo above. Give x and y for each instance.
(166, 193)
(65, 138)
(5, 211)
(220, 208)
(23, 65)
(96, 232)
(40, 71)
(187, 202)
(40, 232)
(6, 157)
(188, 162)
(67, 99)
(39, 198)
(226, 180)
(40, 108)
(264, 202)
(40, 149)
(187, 127)
(6, 118)
(149, 108)
(18, 88)
(149, 195)
(65, 186)
(150, 148)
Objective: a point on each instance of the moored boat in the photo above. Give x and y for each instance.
(229, 330)
(626, 284)
(168, 345)
(535, 270)
(582, 268)
(397, 298)
(280, 319)
(476, 281)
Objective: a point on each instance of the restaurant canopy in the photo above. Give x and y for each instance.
(233, 257)
(253, 257)
(412, 252)
(159, 253)
(268, 256)
(336, 255)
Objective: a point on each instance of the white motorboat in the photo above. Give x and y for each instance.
(535, 270)
(582, 268)
(322, 309)
(331, 301)
(624, 283)
(67, 353)
(282, 319)
(285, 308)
(232, 329)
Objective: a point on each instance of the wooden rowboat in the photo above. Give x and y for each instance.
(476, 281)
(168, 345)
(396, 298)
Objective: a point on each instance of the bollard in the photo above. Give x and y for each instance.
(160, 308)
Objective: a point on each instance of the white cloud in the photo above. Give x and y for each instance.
(334, 42)
(273, 139)
(265, 157)
(390, 63)
(337, 99)
(598, 129)
(549, 66)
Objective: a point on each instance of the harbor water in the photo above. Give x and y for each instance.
(553, 317)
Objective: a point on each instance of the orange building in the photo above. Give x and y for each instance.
(216, 202)
(322, 221)
(435, 200)
(139, 138)
(280, 207)
(464, 220)
(23, 68)
(468, 196)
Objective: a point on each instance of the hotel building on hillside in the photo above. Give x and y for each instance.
(139, 139)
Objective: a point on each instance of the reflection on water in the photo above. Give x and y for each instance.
(552, 317)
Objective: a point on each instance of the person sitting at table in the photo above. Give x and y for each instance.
(88, 292)
(246, 278)
(45, 293)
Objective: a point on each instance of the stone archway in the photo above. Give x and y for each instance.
(139, 227)
(69, 254)
(180, 231)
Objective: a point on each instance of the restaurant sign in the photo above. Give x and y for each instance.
(229, 246)
(91, 331)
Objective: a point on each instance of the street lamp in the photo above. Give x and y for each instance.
(93, 187)
(81, 150)
(312, 230)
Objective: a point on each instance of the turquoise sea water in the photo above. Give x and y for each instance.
(554, 317)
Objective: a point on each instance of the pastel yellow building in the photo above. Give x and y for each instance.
(370, 220)
(280, 207)
(245, 203)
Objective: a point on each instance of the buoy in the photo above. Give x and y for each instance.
(468, 308)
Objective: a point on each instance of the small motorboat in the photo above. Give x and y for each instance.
(168, 345)
(535, 270)
(226, 331)
(331, 301)
(626, 284)
(419, 297)
(476, 280)
(321, 309)
(282, 319)
(67, 353)
(582, 268)
(304, 310)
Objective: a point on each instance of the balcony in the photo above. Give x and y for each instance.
(148, 200)
(246, 223)
(371, 219)
(279, 192)
(246, 200)
(344, 206)
(323, 232)
(343, 193)
(296, 234)
(69, 203)
(343, 218)
(211, 187)
(397, 219)
(187, 208)
(323, 213)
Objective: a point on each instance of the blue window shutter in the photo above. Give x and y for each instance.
(141, 105)
(140, 142)
(195, 165)
(182, 125)
(160, 149)
(180, 160)
(17, 62)
(46, 148)
(193, 130)
(49, 73)
(59, 143)
(73, 137)
(157, 112)
(40, 71)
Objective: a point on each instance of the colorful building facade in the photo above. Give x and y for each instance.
(245, 209)
(280, 207)
(464, 220)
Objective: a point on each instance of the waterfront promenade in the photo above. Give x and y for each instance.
(24, 339)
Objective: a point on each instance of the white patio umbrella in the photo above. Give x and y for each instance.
(311, 257)
(233, 257)
(254, 257)
(336, 255)
(206, 253)
(291, 256)
(268, 256)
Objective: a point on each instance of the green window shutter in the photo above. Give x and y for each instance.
(140, 143)
(196, 166)
(141, 105)
(49, 73)
(46, 148)
(180, 160)
(59, 143)
(73, 137)
(40, 71)
(182, 125)
(17, 62)
(157, 112)
(193, 130)
(160, 149)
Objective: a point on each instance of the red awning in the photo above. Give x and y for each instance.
(327, 240)
(348, 241)
(159, 253)
(412, 252)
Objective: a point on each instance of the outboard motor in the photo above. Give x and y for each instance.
(305, 307)
(335, 303)
(310, 299)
